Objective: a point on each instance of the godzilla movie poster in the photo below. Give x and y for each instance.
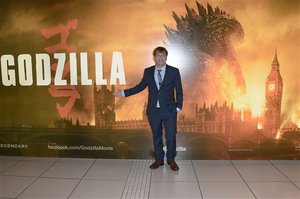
(61, 62)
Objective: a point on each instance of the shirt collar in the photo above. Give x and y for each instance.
(161, 68)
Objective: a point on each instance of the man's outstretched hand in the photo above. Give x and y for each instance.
(118, 94)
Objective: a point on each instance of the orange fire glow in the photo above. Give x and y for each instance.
(259, 125)
(253, 99)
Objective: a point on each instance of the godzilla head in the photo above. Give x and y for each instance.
(210, 31)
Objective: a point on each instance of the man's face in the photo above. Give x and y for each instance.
(160, 59)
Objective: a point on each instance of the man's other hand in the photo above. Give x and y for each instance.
(118, 94)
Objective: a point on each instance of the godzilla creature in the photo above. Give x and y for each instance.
(208, 38)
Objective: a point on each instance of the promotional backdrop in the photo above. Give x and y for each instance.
(61, 62)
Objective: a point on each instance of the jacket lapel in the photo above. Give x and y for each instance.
(166, 76)
(152, 80)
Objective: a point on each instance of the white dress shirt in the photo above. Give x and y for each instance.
(162, 74)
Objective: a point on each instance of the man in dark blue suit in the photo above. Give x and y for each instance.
(164, 84)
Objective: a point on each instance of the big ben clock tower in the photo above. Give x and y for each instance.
(273, 100)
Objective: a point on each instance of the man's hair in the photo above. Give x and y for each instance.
(161, 50)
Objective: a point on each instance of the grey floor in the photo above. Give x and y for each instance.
(32, 177)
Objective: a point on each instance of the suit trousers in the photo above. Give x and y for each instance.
(157, 121)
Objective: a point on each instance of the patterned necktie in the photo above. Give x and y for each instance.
(159, 78)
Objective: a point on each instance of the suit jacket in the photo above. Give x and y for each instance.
(165, 94)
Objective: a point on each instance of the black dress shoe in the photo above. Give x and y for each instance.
(156, 164)
(173, 166)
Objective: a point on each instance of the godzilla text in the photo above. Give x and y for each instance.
(63, 71)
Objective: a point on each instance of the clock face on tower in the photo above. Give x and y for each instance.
(271, 86)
